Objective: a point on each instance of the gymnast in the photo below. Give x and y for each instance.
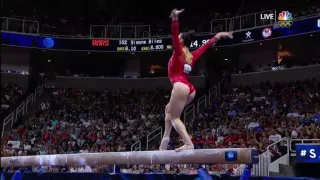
(179, 67)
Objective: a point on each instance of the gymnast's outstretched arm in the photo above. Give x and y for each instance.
(175, 33)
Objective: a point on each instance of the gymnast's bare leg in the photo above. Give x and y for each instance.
(168, 125)
(179, 98)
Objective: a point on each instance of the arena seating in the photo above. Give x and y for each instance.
(258, 116)
(11, 95)
(78, 121)
(252, 117)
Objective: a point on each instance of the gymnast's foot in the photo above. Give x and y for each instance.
(164, 144)
(185, 147)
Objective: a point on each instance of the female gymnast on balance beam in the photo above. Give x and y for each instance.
(179, 67)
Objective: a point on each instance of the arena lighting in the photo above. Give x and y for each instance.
(197, 156)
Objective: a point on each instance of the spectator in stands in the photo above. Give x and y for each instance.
(244, 117)
(11, 94)
(257, 117)
(86, 122)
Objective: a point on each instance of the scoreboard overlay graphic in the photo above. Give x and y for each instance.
(308, 153)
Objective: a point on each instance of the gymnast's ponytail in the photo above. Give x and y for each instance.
(188, 37)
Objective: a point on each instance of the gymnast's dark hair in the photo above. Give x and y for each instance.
(188, 37)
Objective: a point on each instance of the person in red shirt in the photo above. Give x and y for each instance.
(211, 140)
(8, 138)
(179, 68)
(92, 136)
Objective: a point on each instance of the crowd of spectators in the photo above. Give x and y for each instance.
(78, 121)
(255, 117)
(11, 95)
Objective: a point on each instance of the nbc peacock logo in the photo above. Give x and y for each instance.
(285, 16)
(285, 19)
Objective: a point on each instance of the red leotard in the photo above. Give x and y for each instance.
(178, 68)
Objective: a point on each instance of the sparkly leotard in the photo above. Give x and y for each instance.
(178, 68)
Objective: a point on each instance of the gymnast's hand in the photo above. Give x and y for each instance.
(224, 35)
(175, 13)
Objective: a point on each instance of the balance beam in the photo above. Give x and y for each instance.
(197, 156)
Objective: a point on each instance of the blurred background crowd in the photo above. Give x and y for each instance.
(78, 120)
(11, 95)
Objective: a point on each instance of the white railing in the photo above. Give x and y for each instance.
(21, 109)
(120, 31)
(136, 146)
(286, 143)
(215, 91)
(189, 111)
(155, 133)
(195, 108)
(248, 22)
(27, 26)
(262, 168)
(239, 22)
(257, 169)
(65, 36)
(234, 24)
(203, 102)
